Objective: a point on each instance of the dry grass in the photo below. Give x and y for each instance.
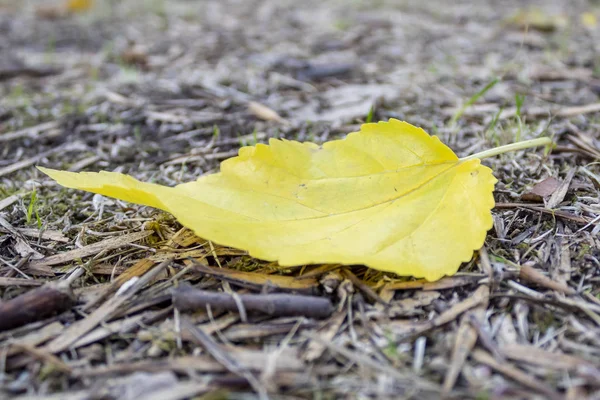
(164, 91)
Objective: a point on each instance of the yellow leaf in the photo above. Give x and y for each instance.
(79, 5)
(589, 20)
(539, 19)
(390, 197)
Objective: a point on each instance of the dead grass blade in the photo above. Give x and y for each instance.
(448, 282)
(466, 337)
(223, 357)
(31, 132)
(316, 348)
(515, 374)
(6, 282)
(44, 356)
(179, 391)
(137, 270)
(258, 280)
(251, 360)
(536, 356)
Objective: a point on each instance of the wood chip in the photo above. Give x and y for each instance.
(6, 282)
(91, 249)
(536, 356)
(56, 236)
(263, 112)
(562, 272)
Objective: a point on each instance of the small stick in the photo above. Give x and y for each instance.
(186, 298)
(364, 287)
(35, 305)
(528, 273)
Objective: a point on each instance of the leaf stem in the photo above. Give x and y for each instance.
(526, 144)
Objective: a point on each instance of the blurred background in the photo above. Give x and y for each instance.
(157, 81)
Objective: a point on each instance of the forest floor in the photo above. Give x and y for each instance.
(165, 90)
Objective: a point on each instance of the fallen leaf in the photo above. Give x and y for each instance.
(542, 190)
(538, 19)
(79, 5)
(589, 20)
(390, 197)
(62, 10)
(559, 195)
(136, 56)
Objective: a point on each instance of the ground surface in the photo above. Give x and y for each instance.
(161, 90)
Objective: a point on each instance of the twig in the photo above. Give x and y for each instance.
(530, 274)
(363, 287)
(80, 328)
(558, 213)
(35, 305)
(186, 298)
